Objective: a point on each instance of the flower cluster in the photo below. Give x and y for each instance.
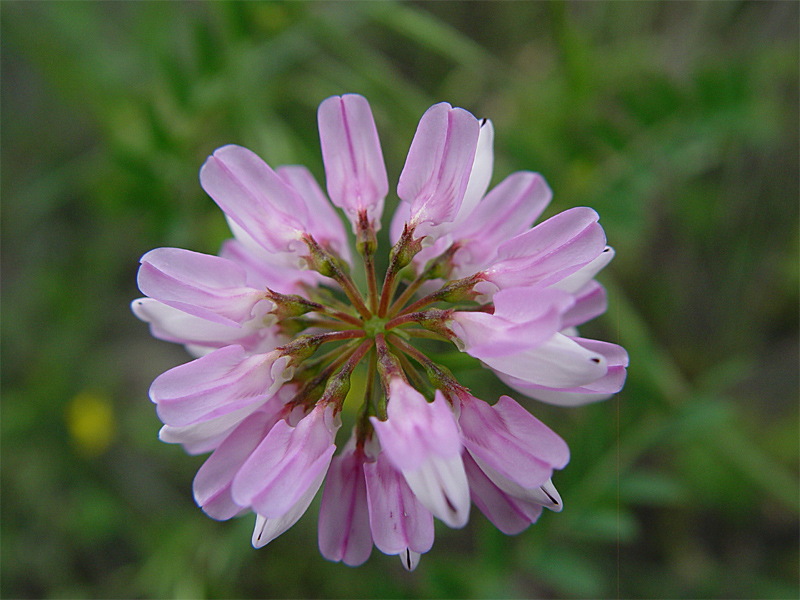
(264, 396)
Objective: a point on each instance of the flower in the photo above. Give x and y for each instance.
(264, 397)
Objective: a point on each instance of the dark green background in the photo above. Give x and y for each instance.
(678, 122)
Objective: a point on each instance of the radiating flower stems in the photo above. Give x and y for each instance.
(435, 268)
(440, 376)
(326, 264)
(339, 384)
(452, 292)
(308, 395)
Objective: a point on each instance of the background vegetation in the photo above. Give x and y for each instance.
(678, 122)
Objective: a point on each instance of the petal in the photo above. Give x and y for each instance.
(354, 169)
(286, 462)
(550, 251)
(590, 301)
(212, 484)
(511, 441)
(559, 362)
(481, 173)
(256, 198)
(264, 269)
(438, 166)
(215, 384)
(344, 532)
(582, 276)
(510, 515)
(205, 436)
(441, 486)
(523, 318)
(205, 286)
(617, 360)
(416, 429)
(508, 210)
(268, 528)
(397, 519)
(323, 221)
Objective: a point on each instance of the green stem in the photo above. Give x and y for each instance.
(430, 272)
(324, 263)
(439, 376)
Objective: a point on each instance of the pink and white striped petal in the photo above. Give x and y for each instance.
(212, 484)
(508, 210)
(268, 528)
(523, 318)
(510, 515)
(511, 441)
(324, 223)
(560, 362)
(549, 252)
(600, 389)
(421, 440)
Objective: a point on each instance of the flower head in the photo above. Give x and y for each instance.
(277, 325)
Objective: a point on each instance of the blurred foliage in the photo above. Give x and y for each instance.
(678, 122)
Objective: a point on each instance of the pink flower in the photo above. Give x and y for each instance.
(438, 166)
(421, 440)
(287, 462)
(264, 396)
(512, 447)
(399, 522)
(344, 531)
(351, 150)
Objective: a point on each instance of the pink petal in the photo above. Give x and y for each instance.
(511, 441)
(550, 251)
(398, 520)
(438, 166)
(344, 532)
(266, 270)
(354, 169)
(508, 210)
(256, 198)
(216, 384)
(421, 440)
(286, 463)
(510, 515)
(212, 484)
(523, 318)
(323, 221)
(612, 382)
(559, 362)
(205, 286)
(582, 276)
(416, 429)
(268, 528)
(590, 302)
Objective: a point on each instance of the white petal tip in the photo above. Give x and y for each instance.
(410, 559)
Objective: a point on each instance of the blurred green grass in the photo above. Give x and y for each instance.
(678, 122)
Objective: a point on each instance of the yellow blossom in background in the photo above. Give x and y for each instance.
(91, 423)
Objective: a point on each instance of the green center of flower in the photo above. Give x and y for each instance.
(375, 325)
